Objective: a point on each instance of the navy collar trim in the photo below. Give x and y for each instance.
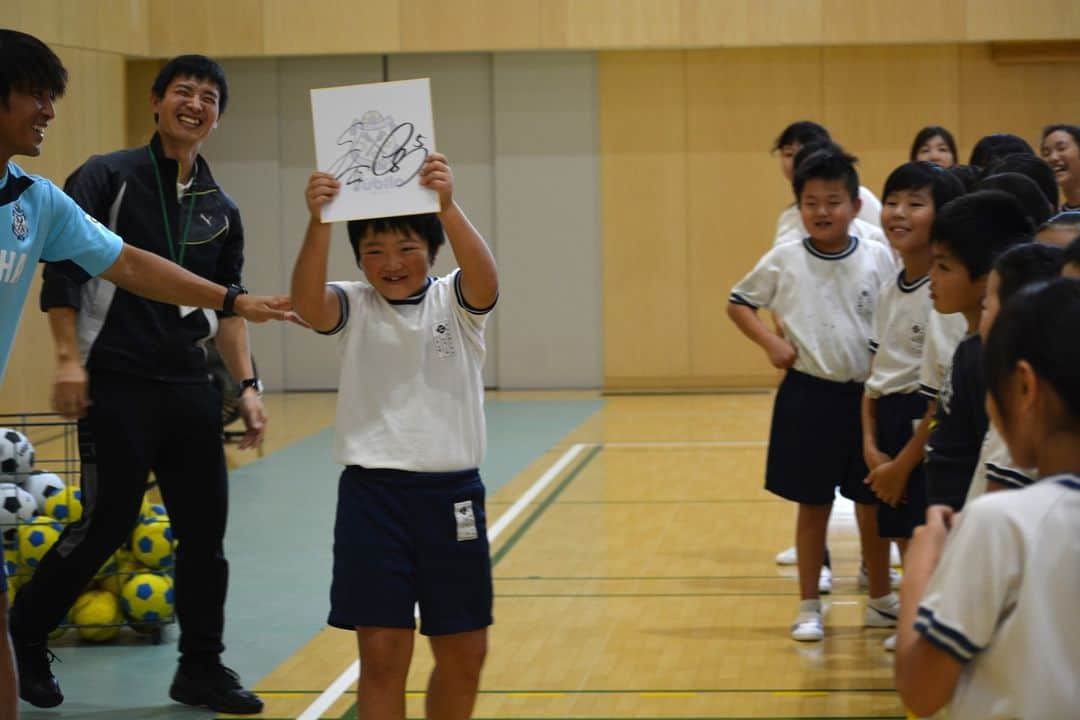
(14, 187)
(910, 287)
(1069, 481)
(414, 299)
(852, 244)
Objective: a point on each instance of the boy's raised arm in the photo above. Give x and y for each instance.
(312, 300)
(479, 276)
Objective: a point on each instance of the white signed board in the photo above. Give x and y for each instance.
(374, 138)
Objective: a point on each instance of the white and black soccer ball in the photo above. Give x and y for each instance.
(42, 486)
(16, 507)
(16, 455)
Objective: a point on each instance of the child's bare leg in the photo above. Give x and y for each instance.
(385, 654)
(875, 550)
(810, 528)
(456, 677)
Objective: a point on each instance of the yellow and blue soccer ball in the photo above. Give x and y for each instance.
(42, 486)
(151, 510)
(98, 608)
(126, 567)
(153, 544)
(148, 598)
(35, 539)
(65, 506)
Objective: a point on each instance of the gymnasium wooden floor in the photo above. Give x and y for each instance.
(638, 582)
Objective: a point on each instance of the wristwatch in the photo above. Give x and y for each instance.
(231, 293)
(251, 382)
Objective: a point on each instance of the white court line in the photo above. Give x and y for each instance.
(352, 673)
(689, 444)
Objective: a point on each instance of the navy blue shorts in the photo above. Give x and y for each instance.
(402, 538)
(896, 419)
(815, 442)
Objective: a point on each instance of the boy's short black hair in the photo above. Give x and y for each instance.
(803, 132)
(1024, 264)
(827, 164)
(995, 146)
(978, 227)
(1072, 253)
(199, 67)
(1033, 167)
(1038, 325)
(427, 226)
(920, 174)
(28, 65)
(1023, 189)
(966, 175)
(932, 131)
(1073, 130)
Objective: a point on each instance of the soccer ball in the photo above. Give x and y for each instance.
(152, 511)
(126, 568)
(100, 608)
(153, 544)
(65, 505)
(16, 506)
(14, 578)
(16, 455)
(35, 539)
(148, 598)
(42, 485)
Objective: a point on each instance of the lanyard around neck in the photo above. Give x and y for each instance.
(176, 255)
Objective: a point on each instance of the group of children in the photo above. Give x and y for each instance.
(894, 363)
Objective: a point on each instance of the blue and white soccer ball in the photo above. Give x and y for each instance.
(16, 455)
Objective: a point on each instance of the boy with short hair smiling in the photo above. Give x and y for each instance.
(823, 290)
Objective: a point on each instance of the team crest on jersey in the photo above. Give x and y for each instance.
(19, 227)
(864, 304)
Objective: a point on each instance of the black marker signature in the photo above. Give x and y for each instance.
(388, 157)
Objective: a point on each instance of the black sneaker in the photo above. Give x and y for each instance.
(213, 686)
(37, 685)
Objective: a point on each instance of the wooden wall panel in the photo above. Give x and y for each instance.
(211, 27)
(738, 102)
(736, 23)
(139, 116)
(436, 25)
(857, 22)
(1011, 20)
(331, 27)
(623, 23)
(877, 98)
(118, 26)
(643, 196)
(89, 119)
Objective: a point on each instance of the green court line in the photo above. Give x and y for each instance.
(535, 515)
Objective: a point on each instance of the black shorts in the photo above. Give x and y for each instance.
(897, 416)
(402, 538)
(815, 441)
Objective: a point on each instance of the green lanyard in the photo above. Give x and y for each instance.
(177, 258)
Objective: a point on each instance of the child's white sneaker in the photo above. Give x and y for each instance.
(890, 643)
(787, 557)
(808, 627)
(864, 578)
(824, 583)
(882, 612)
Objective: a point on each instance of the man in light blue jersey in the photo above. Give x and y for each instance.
(38, 222)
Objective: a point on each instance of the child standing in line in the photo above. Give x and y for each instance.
(823, 291)
(410, 432)
(987, 625)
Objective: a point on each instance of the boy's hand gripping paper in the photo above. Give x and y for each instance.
(374, 138)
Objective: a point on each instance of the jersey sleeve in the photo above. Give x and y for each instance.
(77, 236)
(998, 465)
(230, 262)
(758, 288)
(976, 583)
(477, 317)
(341, 290)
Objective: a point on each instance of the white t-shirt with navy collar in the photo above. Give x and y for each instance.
(899, 334)
(943, 335)
(824, 301)
(996, 463)
(411, 394)
(1002, 601)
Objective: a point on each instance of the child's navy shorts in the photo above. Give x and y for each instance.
(402, 538)
(896, 419)
(815, 442)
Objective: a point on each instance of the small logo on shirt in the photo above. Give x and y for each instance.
(918, 336)
(444, 340)
(864, 304)
(19, 227)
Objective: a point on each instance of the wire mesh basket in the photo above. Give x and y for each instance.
(40, 496)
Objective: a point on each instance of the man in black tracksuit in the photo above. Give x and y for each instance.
(135, 372)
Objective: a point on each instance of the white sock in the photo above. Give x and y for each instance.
(810, 606)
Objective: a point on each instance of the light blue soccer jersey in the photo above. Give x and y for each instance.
(39, 222)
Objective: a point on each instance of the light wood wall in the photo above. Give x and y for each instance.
(690, 193)
(89, 119)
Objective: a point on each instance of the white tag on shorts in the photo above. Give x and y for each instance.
(466, 521)
(186, 310)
